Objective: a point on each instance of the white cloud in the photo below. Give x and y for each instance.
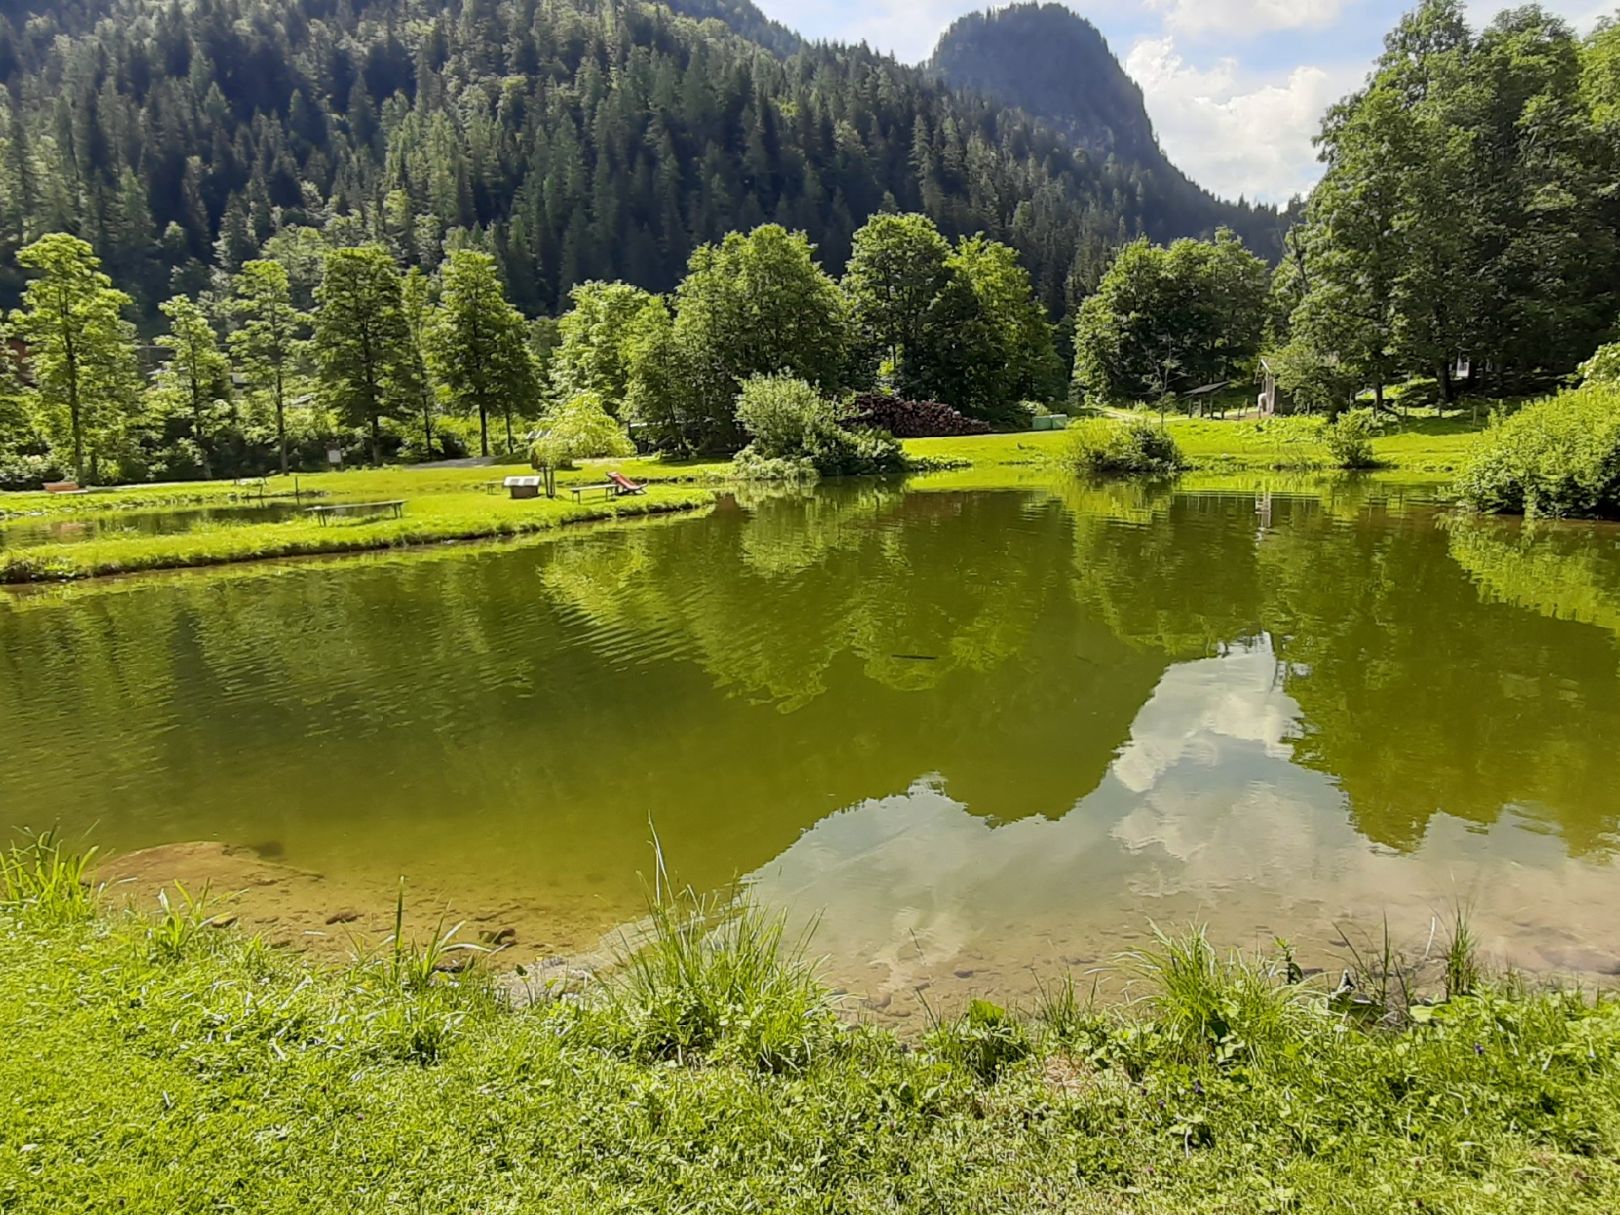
(906, 29)
(1245, 18)
(1235, 132)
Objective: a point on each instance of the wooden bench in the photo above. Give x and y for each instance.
(63, 487)
(606, 488)
(325, 513)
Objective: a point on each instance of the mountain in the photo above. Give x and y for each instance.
(745, 20)
(574, 139)
(1055, 66)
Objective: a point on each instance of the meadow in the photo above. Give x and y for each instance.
(456, 503)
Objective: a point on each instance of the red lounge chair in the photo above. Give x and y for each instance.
(624, 485)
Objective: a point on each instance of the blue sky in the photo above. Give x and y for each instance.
(1236, 88)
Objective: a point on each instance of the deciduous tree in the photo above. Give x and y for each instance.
(269, 338)
(479, 345)
(196, 379)
(362, 339)
(81, 349)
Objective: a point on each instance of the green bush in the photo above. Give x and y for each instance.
(1558, 457)
(580, 429)
(1603, 367)
(1348, 439)
(28, 472)
(1137, 448)
(796, 432)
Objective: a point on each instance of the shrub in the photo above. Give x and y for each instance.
(1312, 381)
(1603, 367)
(580, 429)
(796, 432)
(1559, 457)
(28, 472)
(1136, 448)
(912, 419)
(1348, 439)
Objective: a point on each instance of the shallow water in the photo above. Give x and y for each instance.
(985, 735)
(29, 532)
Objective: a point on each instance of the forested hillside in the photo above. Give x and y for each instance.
(574, 139)
(1055, 66)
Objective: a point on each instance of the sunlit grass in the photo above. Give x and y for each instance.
(215, 1073)
(1422, 444)
(430, 517)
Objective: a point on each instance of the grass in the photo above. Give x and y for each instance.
(432, 515)
(359, 484)
(157, 1066)
(1424, 444)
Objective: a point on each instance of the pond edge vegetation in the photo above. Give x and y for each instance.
(430, 519)
(192, 1064)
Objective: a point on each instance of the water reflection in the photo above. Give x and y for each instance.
(974, 728)
(31, 532)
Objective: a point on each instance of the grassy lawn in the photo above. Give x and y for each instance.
(434, 512)
(394, 481)
(163, 1064)
(451, 503)
(1423, 445)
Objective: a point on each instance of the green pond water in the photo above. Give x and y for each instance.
(984, 735)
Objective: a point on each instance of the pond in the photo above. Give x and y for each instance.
(985, 736)
(31, 532)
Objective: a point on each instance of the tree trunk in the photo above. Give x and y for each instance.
(376, 440)
(281, 421)
(74, 411)
(197, 436)
(483, 430)
(1448, 389)
(78, 433)
(508, 431)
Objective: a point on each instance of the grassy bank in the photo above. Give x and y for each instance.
(163, 1064)
(1426, 446)
(432, 515)
(394, 481)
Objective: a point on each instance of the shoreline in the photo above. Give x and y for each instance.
(57, 564)
(189, 1065)
(338, 918)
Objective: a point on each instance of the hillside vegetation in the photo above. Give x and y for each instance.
(575, 140)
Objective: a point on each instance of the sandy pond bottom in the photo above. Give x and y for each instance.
(983, 739)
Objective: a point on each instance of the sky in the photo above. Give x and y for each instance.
(1236, 88)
